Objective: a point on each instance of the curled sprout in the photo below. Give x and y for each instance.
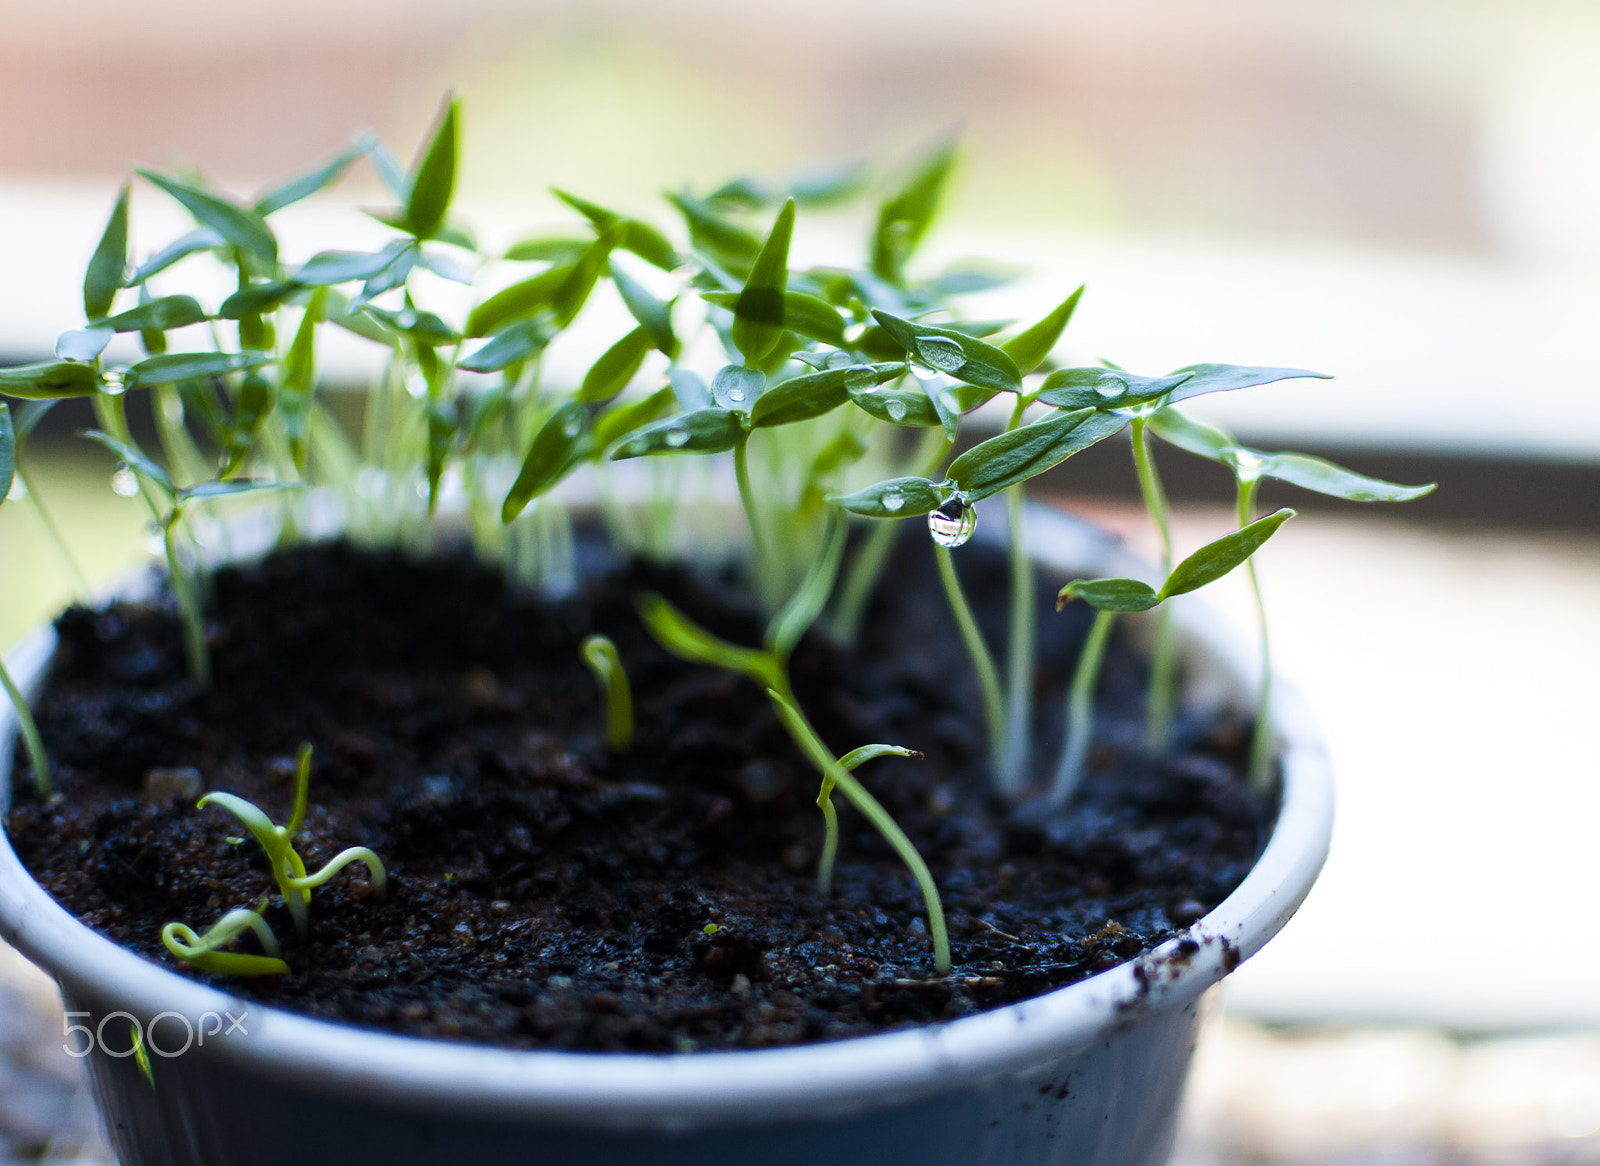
(204, 951)
(830, 842)
(288, 868)
(600, 654)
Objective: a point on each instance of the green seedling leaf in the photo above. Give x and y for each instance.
(1324, 477)
(1110, 594)
(8, 452)
(622, 419)
(687, 640)
(1020, 454)
(433, 181)
(514, 343)
(1029, 347)
(560, 249)
(234, 487)
(202, 951)
(518, 302)
(829, 186)
(743, 193)
(447, 267)
(904, 219)
(703, 431)
(172, 367)
(308, 184)
(330, 267)
(135, 460)
(954, 353)
(1221, 378)
(1104, 388)
(337, 311)
(689, 388)
(1214, 560)
(617, 365)
(895, 498)
(396, 272)
(158, 315)
(245, 229)
(600, 654)
(200, 239)
(654, 315)
(817, 393)
(910, 407)
(423, 327)
(107, 271)
(804, 314)
(1178, 428)
(573, 292)
(387, 166)
(255, 398)
(758, 313)
(257, 299)
(49, 378)
(736, 387)
(730, 245)
(638, 236)
(300, 381)
(83, 344)
(556, 448)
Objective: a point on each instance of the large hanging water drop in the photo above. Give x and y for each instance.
(892, 500)
(952, 522)
(944, 355)
(896, 409)
(123, 482)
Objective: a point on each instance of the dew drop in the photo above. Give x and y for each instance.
(944, 355)
(19, 489)
(892, 500)
(572, 425)
(123, 482)
(952, 523)
(114, 382)
(735, 395)
(896, 409)
(636, 447)
(860, 378)
(1110, 385)
(677, 438)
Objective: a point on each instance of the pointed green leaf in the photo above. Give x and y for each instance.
(1104, 388)
(556, 448)
(895, 498)
(569, 298)
(83, 344)
(1214, 560)
(1323, 477)
(729, 244)
(239, 438)
(423, 327)
(758, 313)
(954, 353)
(446, 266)
(1109, 594)
(338, 312)
(563, 249)
(514, 343)
(49, 378)
(395, 272)
(742, 194)
(653, 314)
(703, 431)
(805, 314)
(684, 638)
(135, 459)
(434, 179)
(197, 240)
(300, 380)
(245, 229)
(1030, 347)
(1020, 454)
(518, 301)
(619, 419)
(637, 236)
(616, 367)
(108, 266)
(308, 184)
(330, 267)
(736, 387)
(8, 452)
(182, 366)
(256, 299)
(1221, 378)
(904, 219)
(234, 487)
(1196, 437)
(833, 184)
(158, 315)
(388, 167)
(814, 394)
(910, 407)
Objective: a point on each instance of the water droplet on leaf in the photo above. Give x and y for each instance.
(572, 425)
(1110, 385)
(896, 409)
(944, 355)
(114, 381)
(860, 378)
(123, 482)
(952, 523)
(892, 500)
(677, 438)
(735, 394)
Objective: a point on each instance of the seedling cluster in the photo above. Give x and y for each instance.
(838, 393)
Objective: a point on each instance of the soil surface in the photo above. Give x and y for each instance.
(545, 892)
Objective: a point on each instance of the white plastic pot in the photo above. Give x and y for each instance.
(1090, 1073)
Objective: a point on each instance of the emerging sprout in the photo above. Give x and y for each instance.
(600, 654)
(288, 868)
(204, 951)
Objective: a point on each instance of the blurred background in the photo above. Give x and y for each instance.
(1405, 193)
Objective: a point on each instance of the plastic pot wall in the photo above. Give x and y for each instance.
(1090, 1073)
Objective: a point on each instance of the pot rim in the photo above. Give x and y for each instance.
(667, 1092)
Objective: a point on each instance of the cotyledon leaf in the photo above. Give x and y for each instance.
(758, 313)
(895, 498)
(245, 229)
(702, 431)
(955, 354)
(814, 394)
(1030, 346)
(1020, 454)
(107, 269)
(556, 448)
(48, 379)
(610, 374)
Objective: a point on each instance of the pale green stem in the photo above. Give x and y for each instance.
(1017, 754)
(866, 568)
(52, 529)
(830, 840)
(29, 732)
(185, 588)
(1163, 659)
(1080, 709)
(760, 553)
(994, 709)
(1261, 739)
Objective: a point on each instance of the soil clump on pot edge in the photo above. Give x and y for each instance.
(548, 893)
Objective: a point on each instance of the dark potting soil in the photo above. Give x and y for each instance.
(545, 892)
